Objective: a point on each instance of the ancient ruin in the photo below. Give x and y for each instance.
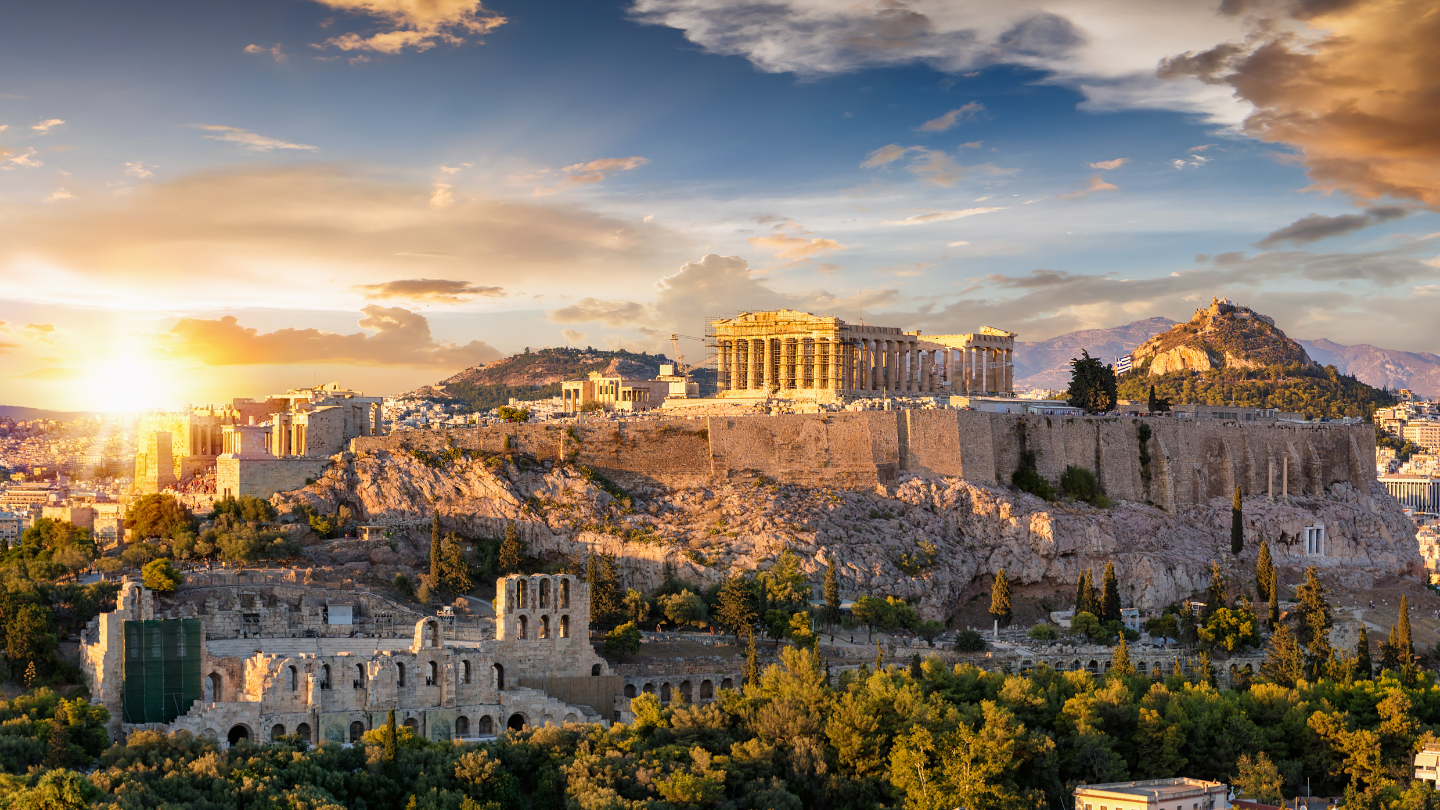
(791, 354)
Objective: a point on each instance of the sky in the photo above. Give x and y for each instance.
(200, 201)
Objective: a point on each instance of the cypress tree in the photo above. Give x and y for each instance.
(1314, 612)
(1000, 598)
(1177, 671)
(752, 661)
(735, 611)
(1404, 648)
(1110, 596)
(1284, 663)
(1237, 526)
(832, 596)
(435, 549)
(512, 552)
(1207, 672)
(1085, 601)
(1215, 593)
(1188, 632)
(917, 670)
(1273, 609)
(1151, 404)
(454, 570)
(1120, 659)
(390, 738)
(1264, 571)
(1363, 667)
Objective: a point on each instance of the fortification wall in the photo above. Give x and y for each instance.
(262, 477)
(1168, 461)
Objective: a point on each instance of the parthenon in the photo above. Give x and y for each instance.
(791, 354)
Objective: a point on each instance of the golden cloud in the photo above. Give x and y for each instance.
(428, 289)
(418, 24)
(796, 248)
(401, 338)
(1096, 183)
(1354, 94)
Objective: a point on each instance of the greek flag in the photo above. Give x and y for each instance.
(1122, 365)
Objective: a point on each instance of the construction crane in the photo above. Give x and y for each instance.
(680, 367)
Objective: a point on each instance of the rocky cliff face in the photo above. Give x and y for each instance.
(956, 534)
(1222, 336)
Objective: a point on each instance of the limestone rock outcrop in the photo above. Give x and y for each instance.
(1182, 358)
(956, 533)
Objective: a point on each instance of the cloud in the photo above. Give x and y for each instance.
(1348, 85)
(276, 52)
(967, 112)
(1108, 165)
(884, 156)
(401, 338)
(582, 174)
(53, 374)
(613, 313)
(428, 289)
(258, 229)
(252, 141)
(960, 243)
(1105, 51)
(1316, 226)
(59, 195)
(47, 125)
(572, 336)
(137, 169)
(940, 216)
(416, 24)
(27, 159)
(795, 248)
(441, 195)
(1094, 184)
(40, 332)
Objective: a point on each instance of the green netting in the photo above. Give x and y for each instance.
(162, 669)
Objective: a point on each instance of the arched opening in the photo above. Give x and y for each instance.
(594, 670)
(1249, 670)
(400, 675)
(685, 696)
(727, 684)
(564, 626)
(664, 694)
(565, 594)
(414, 725)
(522, 592)
(277, 732)
(1075, 666)
(517, 721)
(294, 679)
(571, 718)
(521, 626)
(487, 726)
(465, 672)
(707, 690)
(432, 678)
(213, 687)
(544, 594)
(237, 734)
(303, 731)
(498, 677)
(1140, 667)
(462, 726)
(357, 730)
(629, 690)
(432, 633)
(1093, 666)
(359, 676)
(649, 689)
(544, 627)
(324, 676)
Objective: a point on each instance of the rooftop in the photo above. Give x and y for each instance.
(1160, 789)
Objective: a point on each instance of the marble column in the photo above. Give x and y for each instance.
(1009, 371)
(917, 368)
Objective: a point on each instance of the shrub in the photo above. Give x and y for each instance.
(624, 639)
(403, 585)
(1085, 624)
(160, 576)
(969, 641)
(1028, 479)
(1081, 484)
(1043, 632)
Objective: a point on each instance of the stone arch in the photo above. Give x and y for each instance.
(1075, 665)
(544, 627)
(686, 693)
(522, 593)
(214, 688)
(648, 689)
(1249, 669)
(1140, 667)
(412, 724)
(428, 635)
(359, 676)
(517, 721)
(549, 720)
(277, 732)
(564, 593)
(727, 684)
(629, 690)
(487, 725)
(462, 726)
(238, 732)
(465, 672)
(303, 731)
(1093, 666)
(707, 689)
(665, 694)
(564, 627)
(432, 675)
(594, 670)
(497, 675)
(522, 626)
(571, 718)
(400, 670)
(357, 730)
(545, 594)
(130, 599)
(324, 676)
(294, 679)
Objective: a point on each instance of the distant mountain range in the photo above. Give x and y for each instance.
(20, 413)
(1046, 363)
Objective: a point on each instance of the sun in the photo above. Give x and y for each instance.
(125, 380)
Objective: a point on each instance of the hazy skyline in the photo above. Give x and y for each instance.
(200, 201)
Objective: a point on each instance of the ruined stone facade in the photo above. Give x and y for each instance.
(269, 680)
(791, 354)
